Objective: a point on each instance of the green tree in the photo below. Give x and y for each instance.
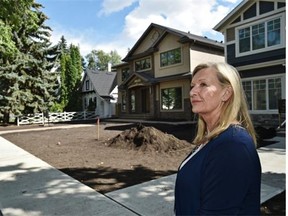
(27, 58)
(73, 78)
(99, 60)
(92, 60)
(70, 69)
(115, 58)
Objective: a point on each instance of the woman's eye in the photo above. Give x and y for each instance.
(203, 84)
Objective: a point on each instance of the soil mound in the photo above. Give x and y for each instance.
(148, 139)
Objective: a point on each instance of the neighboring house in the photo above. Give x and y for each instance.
(97, 87)
(154, 80)
(255, 43)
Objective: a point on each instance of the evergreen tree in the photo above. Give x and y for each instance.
(63, 45)
(77, 61)
(73, 78)
(70, 69)
(27, 84)
(64, 90)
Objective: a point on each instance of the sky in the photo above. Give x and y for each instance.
(110, 25)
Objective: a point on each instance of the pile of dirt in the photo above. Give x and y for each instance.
(148, 139)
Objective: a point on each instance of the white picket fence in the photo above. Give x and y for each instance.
(41, 118)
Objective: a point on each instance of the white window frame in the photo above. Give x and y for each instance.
(278, 46)
(266, 78)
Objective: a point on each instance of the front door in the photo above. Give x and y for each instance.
(145, 99)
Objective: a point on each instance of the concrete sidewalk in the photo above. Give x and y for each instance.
(30, 186)
(157, 197)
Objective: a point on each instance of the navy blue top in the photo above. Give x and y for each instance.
(223, 178)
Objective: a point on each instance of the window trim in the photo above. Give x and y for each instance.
(265, 49)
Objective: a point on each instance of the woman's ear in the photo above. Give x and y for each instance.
(227, 93)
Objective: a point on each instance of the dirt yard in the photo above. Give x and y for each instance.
(117, 155)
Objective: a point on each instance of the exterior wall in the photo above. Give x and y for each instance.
(258, 64)
(197, 57)
(170, 42)
(267, 120)
(185, 113)
(103, 107)
(255, 58)
(194, 53)
(148, 41)
(87, 93)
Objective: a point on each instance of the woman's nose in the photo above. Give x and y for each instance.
(193, 91)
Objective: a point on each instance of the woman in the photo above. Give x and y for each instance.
(222, 176)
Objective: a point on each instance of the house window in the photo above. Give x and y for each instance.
(95, 101)
(170, 57)
(259, 96)
(248, 91)
(143, 64)
(85, 103)
(125, 73)
(263, 94)
(171, 98)
(123, 107)
(273, 32)
(132, 101)
(259, 36)
(274, 92)
(87, 85)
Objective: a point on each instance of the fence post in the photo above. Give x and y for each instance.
(43, 118)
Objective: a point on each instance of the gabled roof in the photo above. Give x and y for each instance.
(148, 79)
(233, 14)
(103, 82)
(184, 38)
(144, 76)
(236, 12)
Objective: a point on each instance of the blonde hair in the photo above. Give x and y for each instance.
(235, 109)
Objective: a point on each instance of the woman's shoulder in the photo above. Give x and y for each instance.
(235, 135)
(235, 131)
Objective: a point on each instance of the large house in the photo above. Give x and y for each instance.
(98, 88)
(154, 78)
(255, 43)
